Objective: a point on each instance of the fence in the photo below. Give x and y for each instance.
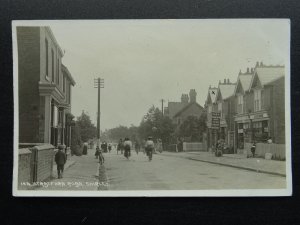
(277, 150)
(193, 146)
(172, 148)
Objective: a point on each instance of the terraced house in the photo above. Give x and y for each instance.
(225, 102)
(260, 108)
(44, 85)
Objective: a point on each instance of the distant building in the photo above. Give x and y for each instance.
(179, 111)
(44, 88)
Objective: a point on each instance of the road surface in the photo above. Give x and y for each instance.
(175, 173)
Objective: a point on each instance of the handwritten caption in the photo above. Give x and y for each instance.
(64, 184)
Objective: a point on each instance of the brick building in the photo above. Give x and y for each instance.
(260, 106)
(179, 111)
(44, 88)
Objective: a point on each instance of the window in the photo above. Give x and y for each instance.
(257, 100)
(209, 109)
(220, 108)
(57, 72)
(46, 52)
(69, 94)
(240, 105)
(64, 84)
(52, 62)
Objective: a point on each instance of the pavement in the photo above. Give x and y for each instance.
(80, 173)
(237, 161)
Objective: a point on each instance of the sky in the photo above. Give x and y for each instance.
(144, 61)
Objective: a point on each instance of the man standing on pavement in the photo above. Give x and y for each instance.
(60, 159)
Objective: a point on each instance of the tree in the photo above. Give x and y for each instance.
(87, 129)
(193, 127)
(155, 125)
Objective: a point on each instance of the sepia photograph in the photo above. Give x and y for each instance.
(158, 107)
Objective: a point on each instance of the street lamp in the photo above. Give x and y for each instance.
(251, 126)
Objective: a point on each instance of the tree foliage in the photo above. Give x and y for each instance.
(155, 125)
(115, 134)
(193, 127)
(87, 129)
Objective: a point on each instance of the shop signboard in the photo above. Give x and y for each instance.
(215, 120)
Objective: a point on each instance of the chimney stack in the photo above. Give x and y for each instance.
(228, 81)
(251, 70)
(257, 64)
(247, 69)
(261, 63)
(224, 81)
(193, 95)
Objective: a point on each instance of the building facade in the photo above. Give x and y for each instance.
(44, 88)
(225, 102)
(211, 107)
(260, 111)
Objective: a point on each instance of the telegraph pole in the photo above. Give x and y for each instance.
(162, 107)
(98, 83)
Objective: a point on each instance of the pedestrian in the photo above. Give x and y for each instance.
(127, 148)
(119, 146)
(97, 151)
(137, 147)
(60, 159)
(253, 148)
(101, 157)
(85, 147)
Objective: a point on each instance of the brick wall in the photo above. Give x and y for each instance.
(44, 161)
(24, 169)
(29, 72)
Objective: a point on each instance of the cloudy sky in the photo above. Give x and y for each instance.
(143, 61)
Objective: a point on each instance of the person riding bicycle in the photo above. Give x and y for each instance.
(127, 147)
(149, 147)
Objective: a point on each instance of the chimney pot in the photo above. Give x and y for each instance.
(224, 81)
(261, 63)
(247, 69)
(228, 81)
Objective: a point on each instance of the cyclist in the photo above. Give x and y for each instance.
(149, 147)
(127, 147)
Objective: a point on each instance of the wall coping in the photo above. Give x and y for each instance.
(23, 151)
(43, 147)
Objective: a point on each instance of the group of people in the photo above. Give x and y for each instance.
(126, 146)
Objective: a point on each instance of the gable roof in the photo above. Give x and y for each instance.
(267, 74)
(174, 107)
(244, 80)
(226, 90)
(188, 106)
(211, 95)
